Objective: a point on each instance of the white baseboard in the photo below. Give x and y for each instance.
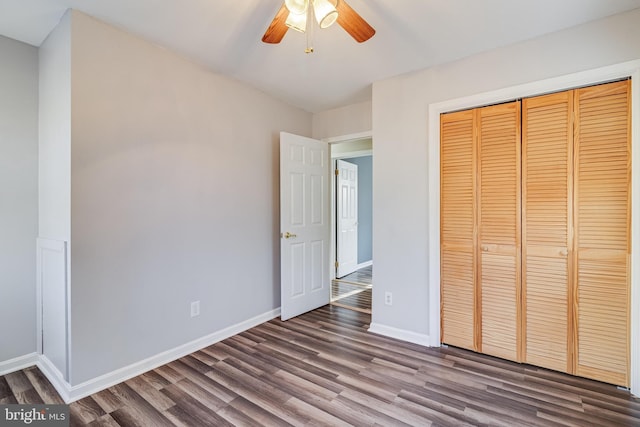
(71, 393)
(54, 376)
(17, 363)
(364, 264)
(112, 378)
(400, 334)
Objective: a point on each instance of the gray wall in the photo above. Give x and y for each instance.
(400, 126)
(174, 198)
(365, 206)
(55, 133)
(18, 197)
(347, 120)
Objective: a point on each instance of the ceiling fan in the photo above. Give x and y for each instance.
(298, 15)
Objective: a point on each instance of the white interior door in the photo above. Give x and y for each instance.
(304, 224)
(347, 218)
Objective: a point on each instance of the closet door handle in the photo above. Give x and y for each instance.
(485, 248)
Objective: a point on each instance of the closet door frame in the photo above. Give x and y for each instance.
(585, 78)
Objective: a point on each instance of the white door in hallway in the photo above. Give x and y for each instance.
(347, 217)
(304, 224)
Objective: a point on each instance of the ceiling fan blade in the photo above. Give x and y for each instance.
(353, 23)
(277, 29)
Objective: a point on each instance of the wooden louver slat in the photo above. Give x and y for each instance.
(457, 229)
(547, 140)
(602, 221)
(535, 249)
(499, 222)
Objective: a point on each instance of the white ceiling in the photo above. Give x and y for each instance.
(224, 35)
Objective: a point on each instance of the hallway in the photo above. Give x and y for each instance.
(353, 291)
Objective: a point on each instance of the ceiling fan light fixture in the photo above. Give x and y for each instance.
(325, 12)
(298, 7)
(297, 22)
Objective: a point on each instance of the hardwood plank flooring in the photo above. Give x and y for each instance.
(324, 368)
(353, 291)
(363, 276)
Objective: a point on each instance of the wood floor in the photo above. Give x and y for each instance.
(362, 276)
(354, 290)
(324, 368)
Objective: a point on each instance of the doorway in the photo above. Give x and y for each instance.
(351, 231)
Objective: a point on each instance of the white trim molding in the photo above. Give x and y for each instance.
(584, 78)
(54, 376)
(53, 280)
(400, 334)
(349, 137)
(634, 260)
(17, 363)
(76, 392)
(71, 393)
(351, 154)
(364, 264)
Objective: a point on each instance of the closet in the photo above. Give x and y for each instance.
(535, 219)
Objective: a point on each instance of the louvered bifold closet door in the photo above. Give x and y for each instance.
(547, 158)
(499, 223)
(602, 222)
(457, 222)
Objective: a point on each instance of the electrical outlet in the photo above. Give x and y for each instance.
(195, 308)
(388, 298)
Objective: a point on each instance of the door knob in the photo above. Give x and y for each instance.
(288, 235)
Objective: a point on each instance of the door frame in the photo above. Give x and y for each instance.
(334, 195)
(556, 84)
(360, 153)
